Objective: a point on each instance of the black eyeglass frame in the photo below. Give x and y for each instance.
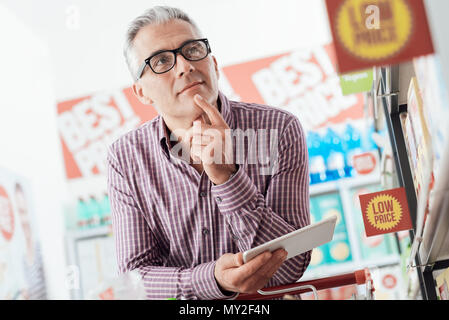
(175, 52)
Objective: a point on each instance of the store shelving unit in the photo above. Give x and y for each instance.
(75, 239)
(343, 188)
(434, 250)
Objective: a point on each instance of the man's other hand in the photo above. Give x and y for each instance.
(234, 275)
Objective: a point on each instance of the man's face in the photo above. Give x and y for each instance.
(165, 91)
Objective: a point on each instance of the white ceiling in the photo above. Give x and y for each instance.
(86, 53)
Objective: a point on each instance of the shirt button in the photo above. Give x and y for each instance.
(203, 194)
(235, 238)
(205, 231)
(218, 199)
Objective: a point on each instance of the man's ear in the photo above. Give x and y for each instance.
(138, 92)
(216, 67)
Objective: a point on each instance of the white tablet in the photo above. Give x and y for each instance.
(298, 241)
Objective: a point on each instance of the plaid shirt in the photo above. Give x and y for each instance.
(172, 224)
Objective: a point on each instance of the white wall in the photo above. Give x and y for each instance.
(87, 56)
(73, 57)
(28, 140)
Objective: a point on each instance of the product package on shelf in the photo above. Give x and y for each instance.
(372, 248)
(389, 283)
(410, 144)
(419, 144)
(93, 212)
(435, 100)
(442, 282)
(416, 114)
(320, 255)
(339, 249)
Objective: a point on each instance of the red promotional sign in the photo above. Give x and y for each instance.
(365, 163)
(378, 32)
(89, 124)
(385, 212)
(389, 281)
(303, 82)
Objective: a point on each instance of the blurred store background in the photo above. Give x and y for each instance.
(65, 95)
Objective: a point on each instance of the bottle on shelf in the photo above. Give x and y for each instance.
(95, 212)
(317, 164)
(334, 155)
(352, 146)
(82, 214)
(367, 141)
(105, 210)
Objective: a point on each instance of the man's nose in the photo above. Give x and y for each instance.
(183, 66)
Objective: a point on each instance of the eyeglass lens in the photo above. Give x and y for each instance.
(164, 61)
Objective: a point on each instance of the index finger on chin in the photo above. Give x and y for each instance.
(213, 114)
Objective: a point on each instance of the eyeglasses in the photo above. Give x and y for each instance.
(163, 61)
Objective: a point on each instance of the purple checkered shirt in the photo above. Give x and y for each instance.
(172, 224)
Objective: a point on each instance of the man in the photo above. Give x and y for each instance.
(186, 200)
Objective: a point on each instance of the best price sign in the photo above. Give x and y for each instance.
(385, 212)
(303, 82)
(87, 126)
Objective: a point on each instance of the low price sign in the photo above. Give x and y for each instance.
(385, 212)
(378, 32)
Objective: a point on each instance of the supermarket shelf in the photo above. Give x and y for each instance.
(435, 235)
(73, 239)
(343, 187)
(335, 269)
(102, 231)
(331, 186)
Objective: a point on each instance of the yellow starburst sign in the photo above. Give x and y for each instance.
(375, 42)
(370, 33)
(385, 211)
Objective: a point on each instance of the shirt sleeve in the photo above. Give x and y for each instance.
(138, 248)
(255, 218)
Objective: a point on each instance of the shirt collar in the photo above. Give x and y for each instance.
(164, 138)
(225, 110)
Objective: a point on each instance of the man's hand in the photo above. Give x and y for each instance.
(211, 144)
(234, 275)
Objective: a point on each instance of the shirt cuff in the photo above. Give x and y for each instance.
(204, 285)
(239, 191)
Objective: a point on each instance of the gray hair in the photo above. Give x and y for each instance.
(156, 15)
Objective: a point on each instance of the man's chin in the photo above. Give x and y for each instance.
(188, 114)
(189, 110)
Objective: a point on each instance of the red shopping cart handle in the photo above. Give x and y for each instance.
(357, 277)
